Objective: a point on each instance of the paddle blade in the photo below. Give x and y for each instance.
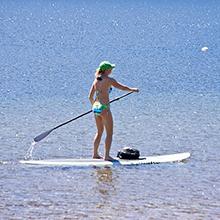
(42, 135)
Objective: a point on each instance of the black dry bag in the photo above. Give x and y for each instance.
(128, 153)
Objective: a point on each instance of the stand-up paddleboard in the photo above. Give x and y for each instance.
(102, 163)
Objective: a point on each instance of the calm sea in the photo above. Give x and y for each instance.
(49, 51)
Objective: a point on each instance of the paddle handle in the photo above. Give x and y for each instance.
(118, 98)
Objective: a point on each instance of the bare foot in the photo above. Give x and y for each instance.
(109, 158)
(97, 157)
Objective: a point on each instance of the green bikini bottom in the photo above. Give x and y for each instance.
(98, 107)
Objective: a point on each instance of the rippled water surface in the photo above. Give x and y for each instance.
(49, 52)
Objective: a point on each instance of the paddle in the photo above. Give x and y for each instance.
(46, 133)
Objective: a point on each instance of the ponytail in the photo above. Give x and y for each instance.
(98, 74)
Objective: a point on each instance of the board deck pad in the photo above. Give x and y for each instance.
(102, 163)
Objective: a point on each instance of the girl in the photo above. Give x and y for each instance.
(100, 105)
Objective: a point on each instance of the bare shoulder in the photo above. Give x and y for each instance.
(112, 80)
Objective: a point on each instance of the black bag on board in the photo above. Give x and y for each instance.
(128, 153)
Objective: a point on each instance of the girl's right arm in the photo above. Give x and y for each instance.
(123, 87)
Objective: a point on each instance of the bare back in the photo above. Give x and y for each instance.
(102, 89)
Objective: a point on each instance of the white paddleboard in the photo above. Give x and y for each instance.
(102, 163)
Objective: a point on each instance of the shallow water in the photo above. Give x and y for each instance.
(49, 51)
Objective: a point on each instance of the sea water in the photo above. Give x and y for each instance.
(49, 52)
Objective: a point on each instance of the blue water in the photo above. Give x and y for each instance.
(49, 52)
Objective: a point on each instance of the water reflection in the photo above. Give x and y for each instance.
(105, 181)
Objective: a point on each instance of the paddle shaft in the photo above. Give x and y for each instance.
(45, 134)
(86, 113)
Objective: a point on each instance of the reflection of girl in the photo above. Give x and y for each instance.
(103, 116)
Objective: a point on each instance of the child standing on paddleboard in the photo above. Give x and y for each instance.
(100, 106)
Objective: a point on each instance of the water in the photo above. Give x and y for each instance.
(29, 153)
(49, 51)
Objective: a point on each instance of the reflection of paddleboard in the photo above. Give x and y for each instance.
(102, 163)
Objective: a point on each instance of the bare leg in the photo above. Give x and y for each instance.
(97, 139)
(108, 123)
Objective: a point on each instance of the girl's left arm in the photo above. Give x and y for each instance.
(122, 87)
(91, 94)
